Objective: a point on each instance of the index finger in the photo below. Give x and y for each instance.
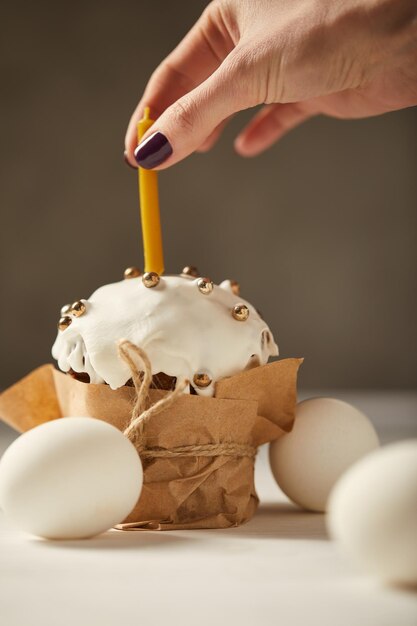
(195, 58)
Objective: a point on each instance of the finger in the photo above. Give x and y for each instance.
(209, 142)
(197, 56)
(269, 125)
(184, 126)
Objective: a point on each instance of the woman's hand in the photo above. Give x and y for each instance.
(344, 58)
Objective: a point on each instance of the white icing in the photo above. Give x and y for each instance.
(182, 330)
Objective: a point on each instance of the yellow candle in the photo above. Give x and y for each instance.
(149, 209)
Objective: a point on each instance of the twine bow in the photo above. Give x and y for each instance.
(141, 370)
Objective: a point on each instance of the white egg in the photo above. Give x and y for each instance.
(70, 478)
(373, 512)
(329, 435)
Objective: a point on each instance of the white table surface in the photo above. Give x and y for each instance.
(280, 568)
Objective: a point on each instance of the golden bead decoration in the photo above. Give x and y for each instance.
(240, 312)
(202, 380)
(132, 272)
(66, 309)
(150, 279)
(235, 287)
(205, 285)
(190, 270)
(78, 308)
(64, 322)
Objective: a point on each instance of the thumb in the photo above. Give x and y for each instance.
(186, 124)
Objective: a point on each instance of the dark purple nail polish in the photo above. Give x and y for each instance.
(127, 161)
(153, 151)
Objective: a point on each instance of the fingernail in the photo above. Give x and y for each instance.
(127, 161)
(153, 151)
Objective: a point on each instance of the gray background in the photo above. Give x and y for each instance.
(320, 230)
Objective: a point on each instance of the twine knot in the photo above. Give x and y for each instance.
(142, 380)
(141, 370)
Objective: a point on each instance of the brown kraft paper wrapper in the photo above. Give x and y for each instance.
(179, 492)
